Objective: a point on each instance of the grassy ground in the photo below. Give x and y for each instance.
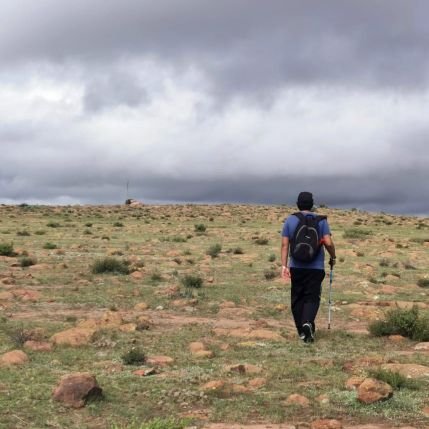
(381, 258)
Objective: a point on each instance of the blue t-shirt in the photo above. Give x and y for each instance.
(288, 230)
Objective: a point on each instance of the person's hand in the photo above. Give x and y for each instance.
(285, 273)
(332, 262)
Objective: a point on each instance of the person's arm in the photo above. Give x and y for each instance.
(284, 255)
(330, 247)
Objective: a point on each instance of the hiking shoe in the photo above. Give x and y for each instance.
(307, 329)
(302, 336)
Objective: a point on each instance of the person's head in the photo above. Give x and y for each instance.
(305, 201)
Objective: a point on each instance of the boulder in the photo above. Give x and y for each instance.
(408, 370)
(74, 337)
(372, 390)
(141, 306)
(13, 358)
(75, 389)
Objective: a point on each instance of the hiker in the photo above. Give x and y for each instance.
(304, 237)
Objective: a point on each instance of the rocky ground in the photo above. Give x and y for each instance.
(79, 349)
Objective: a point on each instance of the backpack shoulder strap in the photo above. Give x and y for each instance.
(320, 218)
(299, 215)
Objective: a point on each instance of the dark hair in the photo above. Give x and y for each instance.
(305, 201)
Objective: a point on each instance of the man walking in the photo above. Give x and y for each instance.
(304, 237)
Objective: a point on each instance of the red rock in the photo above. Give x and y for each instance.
(326, 424)
(372, 390)
(111, 319)
(8, 281)
(6, 296)
(396, 338)
(141, 306)
(75, 389)
(160, 360)
(213, 385)
(13, 358)
(137, 275)
(27, 295)
(74, 337)
(422, 346)
(408, 370)
(258, 382)
(128, 327)
(296, 399)
(144, 372)
(38, 346)
(354, 382)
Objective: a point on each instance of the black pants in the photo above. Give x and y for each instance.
(305, 295)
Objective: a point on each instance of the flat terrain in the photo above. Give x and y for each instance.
(249, 351)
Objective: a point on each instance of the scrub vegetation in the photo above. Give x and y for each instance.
(176, 297)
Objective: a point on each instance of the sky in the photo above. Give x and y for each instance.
(215, 101)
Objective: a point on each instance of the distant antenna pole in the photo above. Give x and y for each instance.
(128, 184)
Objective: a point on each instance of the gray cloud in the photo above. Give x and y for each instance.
(201, 100)
(242, 46)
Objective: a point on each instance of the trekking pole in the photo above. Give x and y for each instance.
(331, 275)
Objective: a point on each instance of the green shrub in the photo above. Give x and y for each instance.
(156, 276)
(270, 274)
(237, 251)
(157, 423)
(408, 323)
(272, 257)
(6, 249)
(118, 224)
(424, 282)
(40, 232)
(88, 224)
(394, 379)
(214, 250)
(23, 233)
(53, 224)
(27, 261)
(110, 265)
(190, 281)
(200, 227)
(49, 245)
(356, 233)
(261, 241)
(134, 356)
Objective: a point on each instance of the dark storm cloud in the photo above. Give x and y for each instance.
(242, 46)
(95, 92)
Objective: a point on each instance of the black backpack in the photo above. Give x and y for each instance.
(306, 242)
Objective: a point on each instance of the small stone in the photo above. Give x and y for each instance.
(354, 382)
(159, 308)
(258, 382)
(326, 424)
(213, 385)
(141, 306)
(323, 399)
(38, 346)
(296, 399)
(422, 346)
(396, 338)
(128, 327)
(160, 360)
